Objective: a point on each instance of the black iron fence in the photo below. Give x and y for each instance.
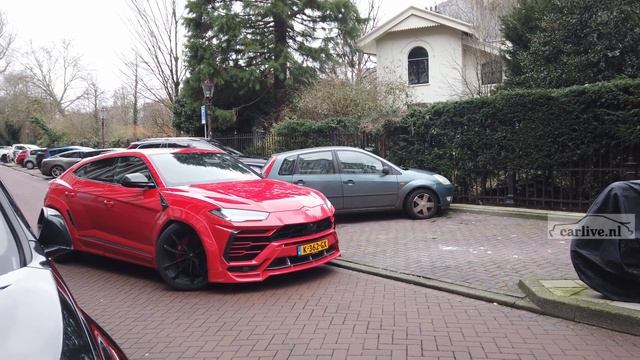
(265, 144)
(570, 188)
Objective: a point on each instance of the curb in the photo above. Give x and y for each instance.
(516, 212)
(583, 311)
(507, 300)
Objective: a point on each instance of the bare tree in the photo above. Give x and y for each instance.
(354, 65)
(94, 96)
(57, 72)
(481, 66)
(6, 41)
(157, 28)
(131, 74)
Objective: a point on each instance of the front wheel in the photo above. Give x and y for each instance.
(421, 204)
(181, 259)
(57, 171)
(29, 165)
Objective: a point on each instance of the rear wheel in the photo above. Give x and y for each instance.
(29, 165)
(181, 259)
(57, 171)
(421, 204)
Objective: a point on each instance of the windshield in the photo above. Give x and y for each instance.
(197, 168)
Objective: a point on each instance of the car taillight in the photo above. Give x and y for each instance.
(267, 168)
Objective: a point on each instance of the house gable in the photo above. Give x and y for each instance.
(411, 18)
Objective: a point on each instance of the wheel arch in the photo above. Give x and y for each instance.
(410, 190)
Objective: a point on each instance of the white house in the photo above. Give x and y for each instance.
(438, 57)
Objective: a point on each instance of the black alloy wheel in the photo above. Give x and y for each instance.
(180, 257)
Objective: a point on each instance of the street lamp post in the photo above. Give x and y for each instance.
(207, 90)
(103, 111)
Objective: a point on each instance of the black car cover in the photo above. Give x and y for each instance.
(612, 266)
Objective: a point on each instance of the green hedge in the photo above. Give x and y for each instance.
(293, 134)
(529, 129)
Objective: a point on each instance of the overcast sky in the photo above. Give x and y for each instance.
(98, 31)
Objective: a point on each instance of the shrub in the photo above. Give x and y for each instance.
(297, 134)
(527, 129)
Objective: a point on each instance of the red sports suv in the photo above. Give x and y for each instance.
(195, 215)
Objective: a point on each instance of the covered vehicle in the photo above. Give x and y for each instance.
(40, 318)
(355, 180)
(17, 148)
(21, 156)
(200, 143)
(609, 265)
(195, 215)
(57, 164)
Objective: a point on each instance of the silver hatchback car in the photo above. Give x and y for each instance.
(355, 180)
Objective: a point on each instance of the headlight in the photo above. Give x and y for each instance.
(327, 203)
(235, 215)
(442, 179)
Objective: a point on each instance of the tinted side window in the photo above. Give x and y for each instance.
(318, 163)
(150, 146)
(287, 165)
(174, 145)
(352, 162)
(71, 155)
(128, 165)
(101, 170)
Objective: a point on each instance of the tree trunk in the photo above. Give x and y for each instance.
(281, 69)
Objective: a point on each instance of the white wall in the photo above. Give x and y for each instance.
(444, 46)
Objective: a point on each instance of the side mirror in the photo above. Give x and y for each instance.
(137, 180)
(54, 235)
(386, 170)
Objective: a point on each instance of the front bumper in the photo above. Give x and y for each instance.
(445, 193)
(252, 253)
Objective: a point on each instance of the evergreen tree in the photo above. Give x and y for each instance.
(257, 51)
(559, 43)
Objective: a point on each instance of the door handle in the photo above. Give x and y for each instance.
(299, 182)
(349, 182)
(108, 203)
(69, 194)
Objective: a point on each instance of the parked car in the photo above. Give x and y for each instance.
(5, 152)
(31, 161)
(17, 148)
(59, 150)
(355, 180)
(40, 317)
(195, 215)
(57, 164)
(201, 143)
(21, 156)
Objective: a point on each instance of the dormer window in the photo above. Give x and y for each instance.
(418, 66)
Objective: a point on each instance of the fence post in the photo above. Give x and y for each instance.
(511, 188)
(630, 169)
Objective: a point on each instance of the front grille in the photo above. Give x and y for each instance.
(289, 261)
(245, 245)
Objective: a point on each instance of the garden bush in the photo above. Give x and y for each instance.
(525, 129)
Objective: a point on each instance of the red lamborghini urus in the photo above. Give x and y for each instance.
(197, 216)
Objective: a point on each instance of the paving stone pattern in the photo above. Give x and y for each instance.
(325, 313)
(482, 251)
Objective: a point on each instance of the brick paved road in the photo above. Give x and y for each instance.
(323, 313)
(482, 251)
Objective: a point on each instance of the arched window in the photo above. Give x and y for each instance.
(418, 66)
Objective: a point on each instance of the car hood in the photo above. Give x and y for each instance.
(32, 319)
(418, 172)
(261, 194)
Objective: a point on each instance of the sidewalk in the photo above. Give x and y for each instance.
(33, 172)
(475, 250)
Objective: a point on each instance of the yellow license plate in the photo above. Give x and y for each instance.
(313, 247)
